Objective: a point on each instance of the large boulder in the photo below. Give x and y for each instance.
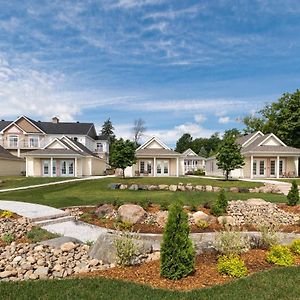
(200, 215)
(58, 242)
(163, 187)
(256, 201)
(153, 188)
(226, 220)
(134, 187)
(104, 248)
(199, 188)
(181, 188)
(173, 187)
(132, 213)
(104, 210)
(234, 189)
(208, 188)
(161, 218)
(123, 187)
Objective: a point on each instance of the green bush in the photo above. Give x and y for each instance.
(269, 236)
(177, 256)
(280, 255)
(8, 238)
(221, 204)
(231, 243)
(231, 265)
(295, 247)
(126, 249)
(38, 234)
(293, 195)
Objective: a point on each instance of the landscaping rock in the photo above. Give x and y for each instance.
(104, 210)
(199, 188)
(181, 188)
(153, 188)
(234, 190)
(41, 272)
(58, 242)
(208, 188)
(216, 189)
(200, 215)
(161, 218)
(66, 247)
(163, 187)
(132, 213)
(226, 220)
(173, 188)
(114, 186)
(134, 187)
(123, 187)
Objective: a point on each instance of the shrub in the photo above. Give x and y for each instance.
(6, 214)
(8, 238)
(269, 236)
(231, 243)
(126, 249)
(293, 195)
(231, 265)
(123, 225)
(280, 255)
(164, 205)
(221, 204)
(199, 172)
(86, 217)
(295, 247)
(177, 256)
(201, 224)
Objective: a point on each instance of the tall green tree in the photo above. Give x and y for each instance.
(184, 143)
(229, 156)
(122, 154)
(177, 256)
(203, 152)
(281, 118)
(108, 131)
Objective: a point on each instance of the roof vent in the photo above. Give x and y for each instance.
(55, 120)
(77, 122)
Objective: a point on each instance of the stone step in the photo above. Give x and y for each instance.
(49, 217)
(54, 221)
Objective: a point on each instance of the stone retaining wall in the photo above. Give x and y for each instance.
(267, 188)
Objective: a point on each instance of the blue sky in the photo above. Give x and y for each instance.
(182, 66)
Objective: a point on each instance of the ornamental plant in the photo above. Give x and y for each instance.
(293, 195)
(280, 255)
(177, 256)
(295, 247)
(231, 265)
(221, 204)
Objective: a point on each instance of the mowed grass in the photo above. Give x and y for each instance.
(93, 192)
(7, 182)
(279, 284)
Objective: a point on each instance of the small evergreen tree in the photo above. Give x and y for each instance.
(229, 156)
(221, 204)
(293, 195)
(108, 131)
(177, 256)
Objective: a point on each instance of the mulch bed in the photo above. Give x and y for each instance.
(206, 273)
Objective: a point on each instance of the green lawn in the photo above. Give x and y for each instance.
(7, 182)
(279, 284)
(97, 191)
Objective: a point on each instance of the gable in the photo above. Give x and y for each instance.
(271, 142)
(27, 126)
(13, 129)
(154, 145)
(56, 145)
(190, 152)
(253, 138)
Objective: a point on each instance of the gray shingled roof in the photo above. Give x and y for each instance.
(271, 149)
(7, 155)
(61, 127)
(242, 139)
(155, 151)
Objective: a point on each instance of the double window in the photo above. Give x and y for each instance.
(145, 167)
(13, 141)
(33, 142)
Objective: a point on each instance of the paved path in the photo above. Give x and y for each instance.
(30, 210)
(59, 221)
(54, 183)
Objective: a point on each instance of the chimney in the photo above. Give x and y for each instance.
(55, 120)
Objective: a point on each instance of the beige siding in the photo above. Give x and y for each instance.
(26, 126)
(290, 165)
(11, 167)
(247, 168)
(98, 167)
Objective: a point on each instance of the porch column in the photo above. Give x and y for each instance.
(251, 167)
(154, 166)
(296, 162)
(177, 167)
(26, 166)
(277, 167)
(51, 167)
(75, 167)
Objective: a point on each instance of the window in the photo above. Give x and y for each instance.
(280, 167)
(262, 167)
(99, 147)
(13, 141)
(254, 167)
(71, 168)
(34, 142)
(158, 168)
(149, 167)
(63, 168)
(272, 167)
(166, 167)
(46, 168)
(142, 167)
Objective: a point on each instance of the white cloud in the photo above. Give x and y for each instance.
(126, 4)
(224, 120)
(199, 118)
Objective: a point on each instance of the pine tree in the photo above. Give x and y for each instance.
(108, 131)
(229, 156)
(221, 204)
(293, 195)
(177, 256)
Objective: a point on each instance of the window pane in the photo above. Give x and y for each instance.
(142, 167)
(272, 171)
(262, 167)
(254, 167)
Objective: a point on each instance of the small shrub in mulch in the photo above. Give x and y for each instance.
(177, 250)
(281, 256)
(293, 195)
(295, 247)
(232, 265)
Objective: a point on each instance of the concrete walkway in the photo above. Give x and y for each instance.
(54, 183)
(54, 220)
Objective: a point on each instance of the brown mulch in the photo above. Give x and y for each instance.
(206, 273)
(290, 209)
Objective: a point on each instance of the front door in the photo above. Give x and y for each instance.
(67, 168)
(162, 168)
(259, 168)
